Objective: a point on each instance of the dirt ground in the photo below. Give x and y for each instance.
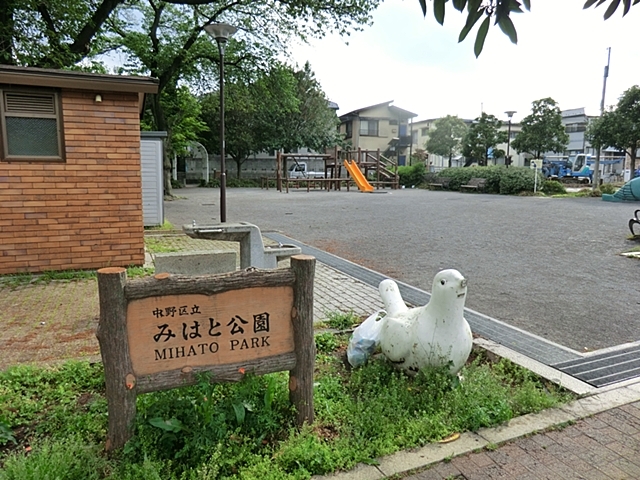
(49, 322)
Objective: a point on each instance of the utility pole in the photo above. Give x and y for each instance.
(596, 173)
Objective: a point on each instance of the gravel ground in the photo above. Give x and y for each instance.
(549, 266)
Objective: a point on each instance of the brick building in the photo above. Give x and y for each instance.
(70, 180)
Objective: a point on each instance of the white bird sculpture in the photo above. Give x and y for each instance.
(436, 334)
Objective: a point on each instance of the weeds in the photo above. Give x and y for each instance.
(326, 342)
(166, 225)
(137, 272)
(341, 320)
(157, 245)
(22, 279)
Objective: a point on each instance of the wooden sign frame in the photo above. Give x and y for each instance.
(127, 375)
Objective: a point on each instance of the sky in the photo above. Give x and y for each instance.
(420, 66)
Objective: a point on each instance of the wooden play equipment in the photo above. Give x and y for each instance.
(377, 170)
(380, 171)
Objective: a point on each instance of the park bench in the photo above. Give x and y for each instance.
(440, 182)
(634, 221)
(474, 184)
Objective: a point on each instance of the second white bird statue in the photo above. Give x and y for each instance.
(436, 334)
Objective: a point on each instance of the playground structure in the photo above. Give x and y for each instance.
(367, 169)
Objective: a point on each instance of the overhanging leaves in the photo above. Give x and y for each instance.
(482, 35)
(438, 10)
(507, 27)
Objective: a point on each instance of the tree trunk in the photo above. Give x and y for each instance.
(450, 155)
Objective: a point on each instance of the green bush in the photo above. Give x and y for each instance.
(608, 188)
(518, 179)
(493, 175)
(242, 183)
(553, 187)
(233, 182)
(245, 431)
(412, 176)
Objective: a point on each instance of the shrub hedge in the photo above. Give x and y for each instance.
(553, 187)
(500, 179)
(412, 176)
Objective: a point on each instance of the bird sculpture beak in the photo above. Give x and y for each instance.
(463, 286)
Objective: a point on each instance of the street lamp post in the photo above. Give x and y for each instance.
(221, 32)
(510, 114)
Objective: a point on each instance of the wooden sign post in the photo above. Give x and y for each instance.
(159, 332)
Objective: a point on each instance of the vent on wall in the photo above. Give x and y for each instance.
(29, 103)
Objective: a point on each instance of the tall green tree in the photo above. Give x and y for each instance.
(167, 41)
(314, 125)
(446, 137)
(254, 114)
(619, 127)
(483, 135)
(542, 130)
(282, 109)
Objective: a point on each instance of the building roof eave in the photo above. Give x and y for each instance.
(67, 79)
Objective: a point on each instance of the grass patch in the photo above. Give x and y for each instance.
(159, 245)
(21, 279)
(245, 430)
(583, 192)
(138, 272)
(341, 320)
(167, 225)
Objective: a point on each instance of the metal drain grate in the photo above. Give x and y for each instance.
(604, 369)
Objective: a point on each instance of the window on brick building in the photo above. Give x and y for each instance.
(31, 125)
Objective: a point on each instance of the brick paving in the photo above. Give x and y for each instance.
(605, 446)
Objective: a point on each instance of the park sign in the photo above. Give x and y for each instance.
(161, 332)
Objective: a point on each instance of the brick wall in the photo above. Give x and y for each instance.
(85, 213)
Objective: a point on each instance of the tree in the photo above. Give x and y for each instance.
(542, 130)
(60, 33)
(281, 110)
(483, 135)
(315, 123)
(501, 11)
(620, 127)
(167, 41)
(254, 114)
(446, 138)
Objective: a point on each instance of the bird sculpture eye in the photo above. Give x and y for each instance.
(443, 282)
